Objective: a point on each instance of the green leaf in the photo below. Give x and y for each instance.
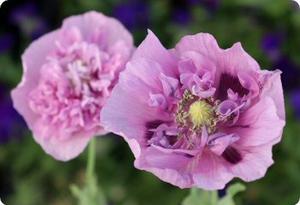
(231, 192)
(90, 194)
(201, 197)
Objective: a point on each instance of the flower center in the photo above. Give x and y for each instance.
(193, 113)
(201, 113)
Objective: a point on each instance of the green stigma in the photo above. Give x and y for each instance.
(201, 113)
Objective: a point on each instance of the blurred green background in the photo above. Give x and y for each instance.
(269, 31)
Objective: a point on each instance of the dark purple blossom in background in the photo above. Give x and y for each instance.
(290, 73)
(271, 44)
(182, 12)
(6, 42)
(210, 5)
(12, 125)
(182, 16)
(133, 14)
(295, 102)
(28, 20)
(193, 2)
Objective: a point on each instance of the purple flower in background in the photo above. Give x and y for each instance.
(26, 17)
(182, 16)
(295, 101)
(11, 124)
(68, 75)
(132, 14)
(6, 42)
(290, 72)
(181, 12)
(210, 5)
(193, 2)
(271, 44)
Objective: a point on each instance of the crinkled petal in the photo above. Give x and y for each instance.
(127, 110)
(33, 59)
(99, 28)
(259, 125)
(58, 147)
(220, 141)
(211, 173)
(126, 114)
(202, 43)
(273, 88)
(254, 164)
(152, 49)
(168, 167)
(235, 59)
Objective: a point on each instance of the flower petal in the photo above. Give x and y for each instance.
(259, 125)
(203, 43)
(58, 147)
(100, 28)
(235, 59)
(211, 173)
(166, 166)
(254, 164)
(33, 59)
(152, 49)
(273, 88)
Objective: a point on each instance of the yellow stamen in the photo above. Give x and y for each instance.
(201, 113)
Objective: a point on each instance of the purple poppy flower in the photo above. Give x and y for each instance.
(68, 76)
(197, 115)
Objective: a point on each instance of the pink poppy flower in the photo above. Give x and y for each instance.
(68, 76)
(197, 115)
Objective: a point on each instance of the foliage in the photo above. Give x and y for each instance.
(200, 197)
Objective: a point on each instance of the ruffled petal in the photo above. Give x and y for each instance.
(101, 29)
(59, 147)
(272, 87)
(254, 164)
(127, 110)
(235, 59)
(152, 49)
(33, 60)
(166, 166)
(211, 172)
(259, 125)
(203, 43)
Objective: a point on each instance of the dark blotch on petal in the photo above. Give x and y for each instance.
(232, 155)
(188, 155)
(228, 81)
(151, 125)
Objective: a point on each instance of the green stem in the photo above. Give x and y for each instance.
(90, 171)
(214, 197)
